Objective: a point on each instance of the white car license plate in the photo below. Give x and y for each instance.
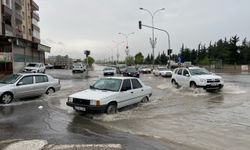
(214, 84)
(80, 108)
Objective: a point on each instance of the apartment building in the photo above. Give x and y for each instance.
(19, 35)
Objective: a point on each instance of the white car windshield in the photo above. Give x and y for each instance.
(199, 71)
(10, 79)
(107, 84)
(162, 69)
(77, 65)
(33, 65)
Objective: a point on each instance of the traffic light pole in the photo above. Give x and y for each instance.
(169, 49)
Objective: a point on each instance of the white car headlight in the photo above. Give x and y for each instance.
(203, 80)
(95, 103)
(70, 99)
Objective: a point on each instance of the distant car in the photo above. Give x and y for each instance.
(108, 71)
(162, 71)
(196, 77)
(120, 68)
(145, 69)
(78, 67)
(49, 66)
(35, 68)
(109, 94)
(23, 85)
(131, 72)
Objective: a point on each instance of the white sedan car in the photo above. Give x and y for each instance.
(108, 71)
(109, 94)
(196, 77)
(162, 71)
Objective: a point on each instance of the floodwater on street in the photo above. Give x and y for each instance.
(194, 118)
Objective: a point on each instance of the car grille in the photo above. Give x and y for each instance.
(213, 80)
(81, 101)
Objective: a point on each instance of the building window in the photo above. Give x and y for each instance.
(8, 3)
(30, 32)
(23, 28)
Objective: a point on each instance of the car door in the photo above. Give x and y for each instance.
(139, 92)
(25, 87)
(41, 84)
(126, 96)
(186, 77)
(179, 78)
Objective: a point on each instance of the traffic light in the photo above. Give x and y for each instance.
(169, 51)
(87, 52)
(140, 25)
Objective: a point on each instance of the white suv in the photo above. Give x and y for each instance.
(196, 77)
(35, 68)
(78, 67)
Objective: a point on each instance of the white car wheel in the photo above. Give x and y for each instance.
(6, 98)
(111, 109)
(193, 85)
(145, 100)
(50, 91)
(175, 84)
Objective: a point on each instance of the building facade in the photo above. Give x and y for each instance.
(19, 35)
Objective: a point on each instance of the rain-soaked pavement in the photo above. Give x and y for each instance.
(173, 119)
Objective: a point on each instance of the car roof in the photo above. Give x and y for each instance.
(35, 63)
(121, 78)
(27, 74)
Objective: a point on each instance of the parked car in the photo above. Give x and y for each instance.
(108, 71)
(49, 66)
(35, 68)
(162, 71)
(120, 68)
(109, 94)
(131, 72)
(78, 67)
(145, 69)
(196, 77)
(23, 85)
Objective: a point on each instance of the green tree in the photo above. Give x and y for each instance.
(139, 58)
(90, 60)
(130, 60)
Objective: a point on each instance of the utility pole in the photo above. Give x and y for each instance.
(87, 53)
(169, 46)
(153, 39)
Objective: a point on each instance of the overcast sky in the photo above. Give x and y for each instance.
(71, 26)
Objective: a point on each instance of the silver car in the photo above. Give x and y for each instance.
(23, 85)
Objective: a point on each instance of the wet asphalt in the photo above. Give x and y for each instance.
(173, 119)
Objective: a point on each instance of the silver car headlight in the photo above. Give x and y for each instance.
(70, 99)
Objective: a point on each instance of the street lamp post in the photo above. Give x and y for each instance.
(126, 36)
(153, 40)
(117, 49)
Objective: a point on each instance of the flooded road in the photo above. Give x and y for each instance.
(185, 118)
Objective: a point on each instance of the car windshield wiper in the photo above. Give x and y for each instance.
(106, 89)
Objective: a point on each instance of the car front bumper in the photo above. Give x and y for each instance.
(212, 87)
(101, 108)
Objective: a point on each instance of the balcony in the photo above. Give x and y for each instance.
(36, 40)
(35, 27)
(7, 10)
(18, 17)
(19, 32)
(34, 6)
(35, 15)
(8, 30)
(18, 4)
